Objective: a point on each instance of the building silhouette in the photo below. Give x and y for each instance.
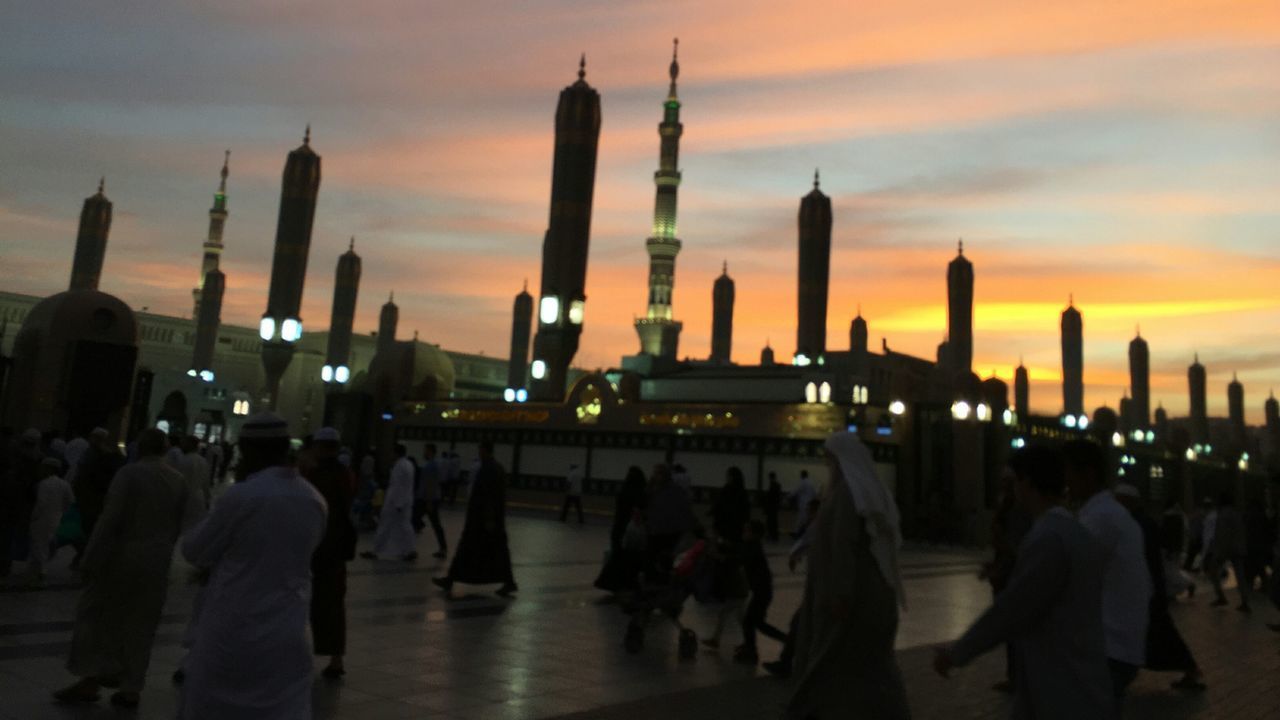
(562, 295)
(521, 328)
(281, 325)
(959, 352)
(1021, 391)
(1072, 328)
(1235, 412)
(1198, 389)
(213, 241)
(815, 273)
(659, 332)
(91, 240)
(346, 289)
(722, 318)
(208, 319)
(1139, 384)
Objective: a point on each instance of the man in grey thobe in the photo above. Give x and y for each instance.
(1051, 609)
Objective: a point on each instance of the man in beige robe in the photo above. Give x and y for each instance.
(847, 623)
(126, 572)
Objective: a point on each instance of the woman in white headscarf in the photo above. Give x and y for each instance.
(849, 618)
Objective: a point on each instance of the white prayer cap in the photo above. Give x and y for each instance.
(31, 435)
(264, 426)
(327, 434)
(1126, 490)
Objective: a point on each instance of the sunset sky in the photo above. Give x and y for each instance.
(1127, 153)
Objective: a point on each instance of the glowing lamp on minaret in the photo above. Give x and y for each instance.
(281, 326)
(346, 286)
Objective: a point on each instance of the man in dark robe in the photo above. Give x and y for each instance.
(337, 485)
(482, 557)
(1166, 650)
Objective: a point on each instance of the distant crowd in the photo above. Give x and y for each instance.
(1082, 576)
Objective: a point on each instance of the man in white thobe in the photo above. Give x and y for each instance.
(251, 659)
(194, 468)
(802, 496)
(53, 497)
(395, 539)
(1126, 582)
(126, 572)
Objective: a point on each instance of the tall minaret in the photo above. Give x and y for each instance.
(521, 327)
(209, 306)
(1022, 392)
(1271, 413)
(659, 334)
(1072, 360)
(346, 288)
(1235, 411)
(722, 318)
(388, 318)
(960, 312)
(1197, 386)
(1140, 383)
(213, 243)
(815, 274)
(91, 241)
(281, 325)
(564, 248)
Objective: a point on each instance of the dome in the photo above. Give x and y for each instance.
(83, 315)
(433, 373)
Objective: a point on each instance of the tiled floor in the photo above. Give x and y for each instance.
(557, 651)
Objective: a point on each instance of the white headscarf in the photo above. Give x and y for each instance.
(874, 503)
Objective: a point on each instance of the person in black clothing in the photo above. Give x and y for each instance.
(623, 566)
(337, 485)
(1166, 650)
(732, 508)
(760, 582)
(771, 503)
(483, 556)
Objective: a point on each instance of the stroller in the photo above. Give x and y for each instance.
(667, 580)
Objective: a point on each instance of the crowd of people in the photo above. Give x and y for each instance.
(1082, 576)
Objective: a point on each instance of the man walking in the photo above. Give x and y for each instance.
(1126, 584)
(251, 659)
(395, 538)
(337, 485)
(126, 572)
(482, 556)
(430, 493)
(1228, 545)
(1050, 611)
(572, 493)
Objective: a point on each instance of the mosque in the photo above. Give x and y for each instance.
(939, 434)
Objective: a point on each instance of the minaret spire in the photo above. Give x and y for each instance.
(351, 247)
(582, 67)
(213, 240)
(306, 139)
(102, 183)
(659, 332)
(815, 179)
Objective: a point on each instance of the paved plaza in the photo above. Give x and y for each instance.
(556, 650)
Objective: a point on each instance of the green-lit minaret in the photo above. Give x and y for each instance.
(659, 333)
(213, 241)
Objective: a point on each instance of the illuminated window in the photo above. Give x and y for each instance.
(824, 392)
(859, 394)
(538, 369)
(811, 393)
(549, 310)
(576, 309)
(267, 328)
